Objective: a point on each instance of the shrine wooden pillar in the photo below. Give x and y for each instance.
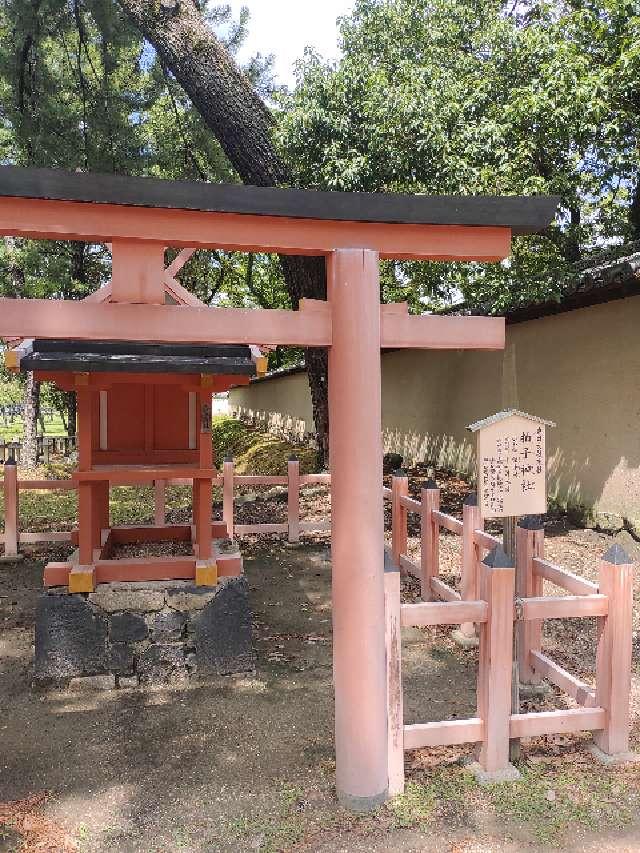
(357, 529)
(202, 487)
(86, 503)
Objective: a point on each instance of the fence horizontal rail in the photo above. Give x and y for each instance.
(442, 590)
(410, 504)
(259, 480)
(449, 522)
(556, 722)
(315, 479)
(563, 578)
(445, 733)
(485, 540)
(45, 536)
(562, 607)
(47, 485)
(238, 479)
(409, 566)
(563, 679)
(248, 529)
(427, 613)
(53, 536)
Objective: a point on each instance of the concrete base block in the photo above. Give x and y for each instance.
(8, 558)
(362, 805)
(223, 642)
(614, 760)
(128, 682)
(71, 638)
(534, 691)
(465, 641)
(495, 777)
(144, 635)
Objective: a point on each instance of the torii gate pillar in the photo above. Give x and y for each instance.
(357, 555)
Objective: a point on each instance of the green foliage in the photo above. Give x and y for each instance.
(552, 803)
(82, 90)
(254, 451)
(548, 802)
(14, 431)
(480, 96)
(11, 389)
(448, 790)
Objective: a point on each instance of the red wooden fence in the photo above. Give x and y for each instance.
(229, 480)
(497, 596)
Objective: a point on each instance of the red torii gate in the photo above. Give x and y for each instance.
(139, 217)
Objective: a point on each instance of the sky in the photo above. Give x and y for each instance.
(286, 27)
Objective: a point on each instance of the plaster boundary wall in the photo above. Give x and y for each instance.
(579, 368)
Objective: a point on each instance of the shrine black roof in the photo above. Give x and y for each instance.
(129, 357)
(523, 214)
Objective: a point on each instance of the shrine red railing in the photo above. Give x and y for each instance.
(294, 527)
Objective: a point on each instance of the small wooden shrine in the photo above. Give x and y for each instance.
(144, 417)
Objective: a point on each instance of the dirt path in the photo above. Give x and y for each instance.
(246, 763)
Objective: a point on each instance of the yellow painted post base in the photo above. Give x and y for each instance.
(206, 573)
(11, 360)
(82, 579)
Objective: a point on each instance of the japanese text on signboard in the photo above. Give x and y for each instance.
(511, 468)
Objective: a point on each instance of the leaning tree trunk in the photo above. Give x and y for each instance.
(243, 126)
(29, 455)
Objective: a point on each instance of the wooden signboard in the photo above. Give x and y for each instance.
(511, 463)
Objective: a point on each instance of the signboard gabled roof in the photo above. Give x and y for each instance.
(507, 413)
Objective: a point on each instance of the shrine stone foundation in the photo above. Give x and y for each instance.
(153, 632)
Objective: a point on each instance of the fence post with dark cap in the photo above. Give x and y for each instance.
(293, 499)
(227, 494)
(529, 545)
(429, 538)
(471, 521)
(11, 510)
(613, 656)
(399, 515)
(497, 584)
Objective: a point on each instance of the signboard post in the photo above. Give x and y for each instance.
(511, 482)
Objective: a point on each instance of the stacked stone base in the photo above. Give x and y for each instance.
(159, 632)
